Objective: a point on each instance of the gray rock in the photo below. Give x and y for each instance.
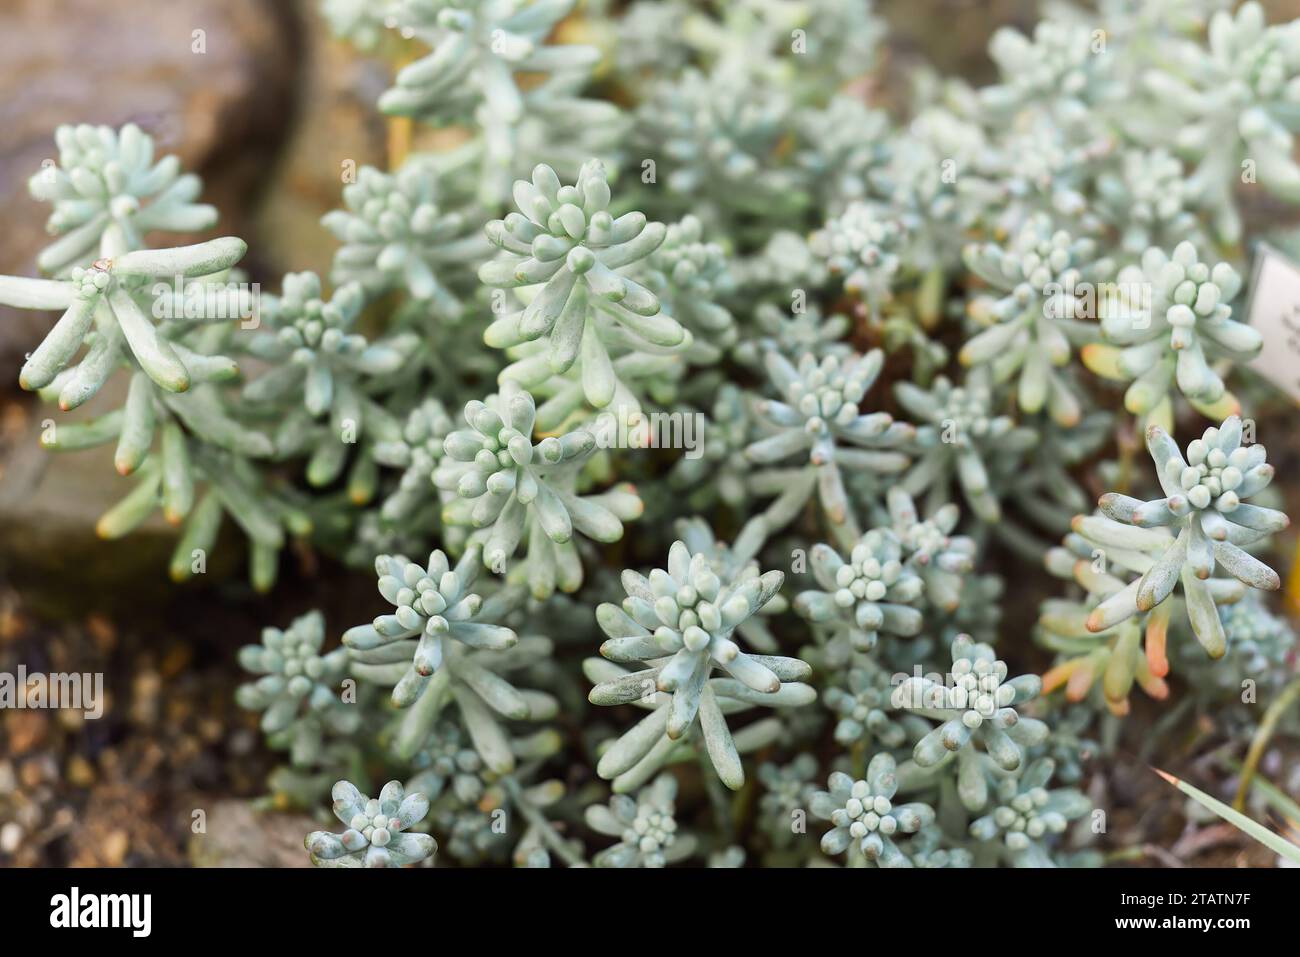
(49, 504)
(238, 836)
(218, 99)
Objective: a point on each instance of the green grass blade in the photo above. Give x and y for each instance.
(1270, 839)
(1274, 796)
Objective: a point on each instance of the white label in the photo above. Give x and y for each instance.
(1275, 313)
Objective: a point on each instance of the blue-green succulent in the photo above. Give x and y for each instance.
(864, 817)
(679, 623)
(376, 834)
(645, 827)
(518, 490)
(1168, 319)
(300, 687)
(565, 240)
(874, 590)
(959, 438)
(402, 231)
(109, 181)
(975, 701)
(1202, 522)
(648, 264)
(819, 423)
(1027, 815)
(1039, 315)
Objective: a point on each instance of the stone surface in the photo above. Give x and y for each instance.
(49, 504)
(48, 508)
(221, 99)
(238, 836)
(266, 114)
(337, 129)
(950, 35)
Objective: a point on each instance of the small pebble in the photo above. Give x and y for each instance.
(11, 836)
(115, 847)
(80, 772)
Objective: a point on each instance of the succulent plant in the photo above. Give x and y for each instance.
(1202, 522)
(707, 220)
(1071, 745)
(787, 792)
(442, 646)
(1032, 326)
(1261, 656)
(376, 834)
(863, 813)
(320, 356)
(932, 552)
(299, 691)
(447, 757)
(561, 129)
(958, 439)
(719, 472)
(783, 266)
(1041, 486)
(108, 181)
(1112, 659)
(1028, 815)
(931, 849)
(689, 276)
(482, 685)
(360, 22)
(736, 562)
(104, 300)
(1060, 68)
(793, 334)
(680, 623)
(716, 136)
(650, 36)
(504, 817)
(864, 245)
(402, 231)
(865, 708)
(1167, 321)
(874, 590)
(433, 606)
(932, 209)
(812, 47)
(979, 614)
(848, 144)
(1148, 198)
(565, 239)
(477, 48)
(1040, 170)
(819, 416)
(417, 452)
(521, 489)
(645, 827)
(841, 40)
(1261, 641)
(1230, 104)
(979, 704)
